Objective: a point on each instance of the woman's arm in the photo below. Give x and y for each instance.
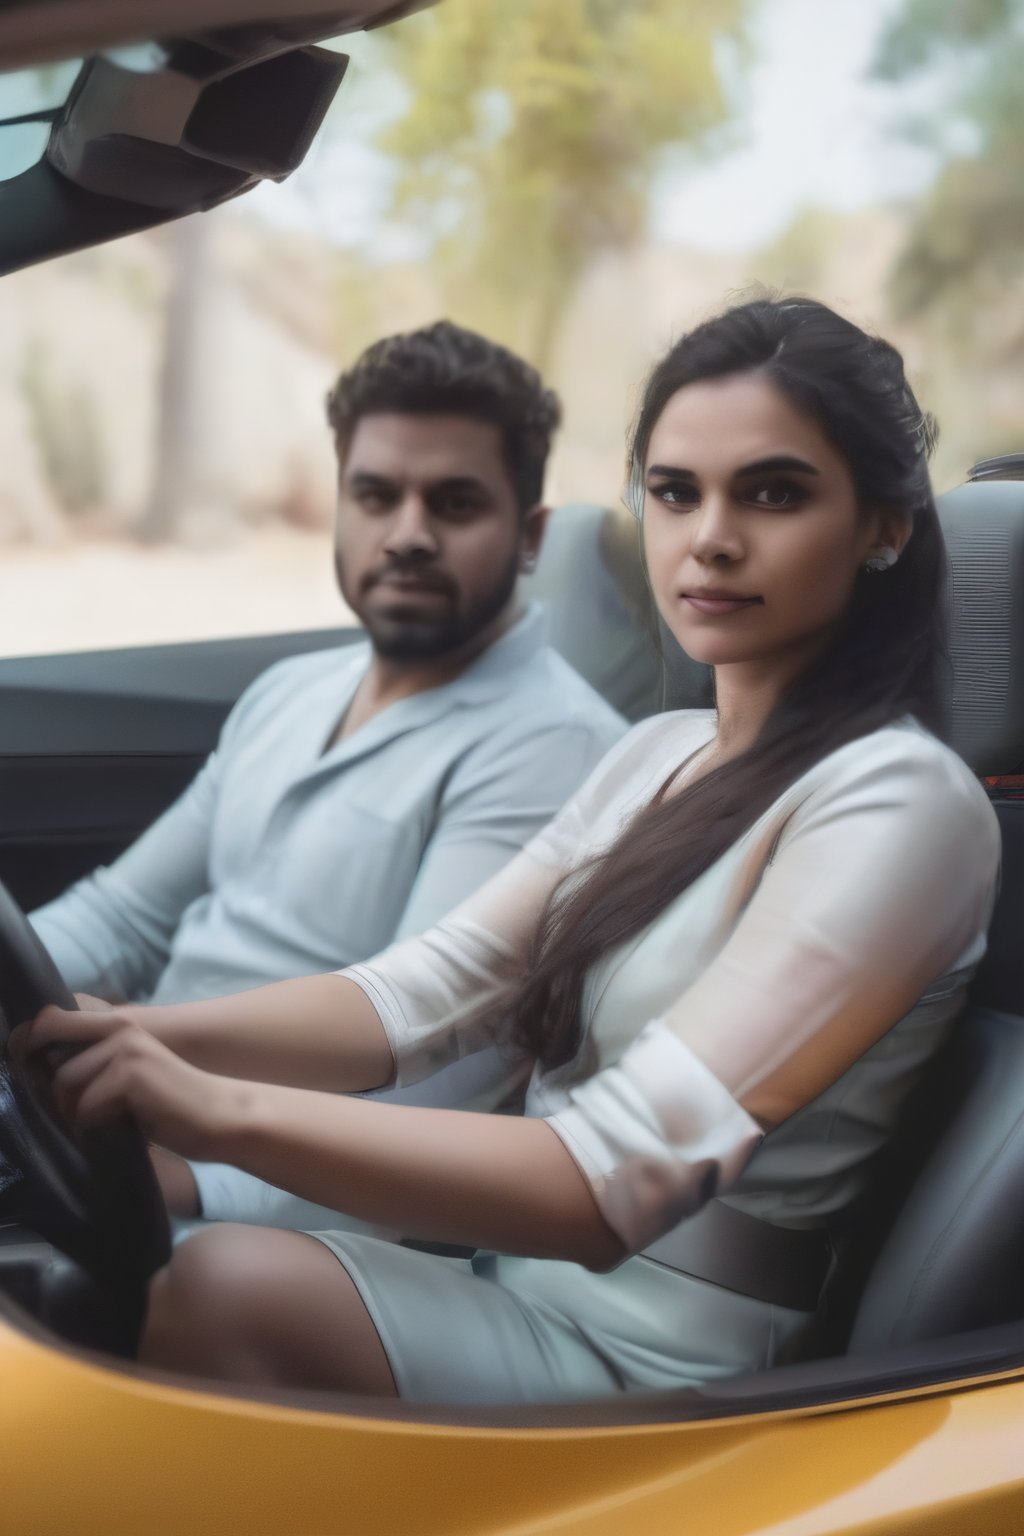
(406, 1013)
(454, 1176)
(423, 1003)
(880, 889)
(313, 1032)
(882, 883)
(486, 1181)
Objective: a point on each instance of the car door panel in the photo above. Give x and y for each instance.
(93, 746)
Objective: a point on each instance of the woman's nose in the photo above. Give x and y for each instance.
(714, 531)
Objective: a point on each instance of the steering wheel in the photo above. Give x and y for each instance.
(92, 1194)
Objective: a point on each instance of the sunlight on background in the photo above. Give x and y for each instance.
(813, 130)
(819, 133)
(580, 191)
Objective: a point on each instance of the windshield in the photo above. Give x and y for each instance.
(30, 100)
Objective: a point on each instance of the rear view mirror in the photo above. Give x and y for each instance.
(205, 119)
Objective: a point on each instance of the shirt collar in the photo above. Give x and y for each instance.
(490, 672)
(484, 679)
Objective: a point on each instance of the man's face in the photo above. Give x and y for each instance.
(429, 537)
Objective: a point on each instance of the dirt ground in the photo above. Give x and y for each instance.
(104, 593)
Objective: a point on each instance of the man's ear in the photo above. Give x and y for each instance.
(532, 537)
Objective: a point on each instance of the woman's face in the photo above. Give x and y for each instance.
(751, 526)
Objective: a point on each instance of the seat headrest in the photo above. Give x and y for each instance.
(983, 525)
(591, 580)
(1008, 466)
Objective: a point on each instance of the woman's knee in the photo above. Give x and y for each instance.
(210, 1265)
(256, 1304)
(208, 1300)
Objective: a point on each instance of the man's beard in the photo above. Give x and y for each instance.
(402, 635)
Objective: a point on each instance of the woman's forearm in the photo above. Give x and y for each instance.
(313, 1032)
(483, 1181)
(486, 1181)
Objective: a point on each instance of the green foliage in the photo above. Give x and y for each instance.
(532, 130)
(967, 241)
(927, 30)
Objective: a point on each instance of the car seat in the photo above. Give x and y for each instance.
(590, 578)
(938, 1247)
(954, 1256)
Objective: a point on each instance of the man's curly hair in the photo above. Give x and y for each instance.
(444, 369)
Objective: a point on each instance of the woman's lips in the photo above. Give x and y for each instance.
(718, 602)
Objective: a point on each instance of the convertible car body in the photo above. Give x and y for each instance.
(911, 1418)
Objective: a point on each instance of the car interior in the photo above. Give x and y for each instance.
(153, 131)
(926, 1288)
(93, 746)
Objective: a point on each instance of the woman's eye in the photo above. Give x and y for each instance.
(675, 495)
(778, 495)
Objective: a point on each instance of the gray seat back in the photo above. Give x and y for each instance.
(591, 580)
(983, 525)
(954, 1257)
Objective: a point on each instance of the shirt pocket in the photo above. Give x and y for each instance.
(343, 875)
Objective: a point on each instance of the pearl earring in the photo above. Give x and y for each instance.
(885, 558)
(527, 563)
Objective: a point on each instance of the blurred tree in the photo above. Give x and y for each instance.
(532, 132)
(967, 239)
(181, 419)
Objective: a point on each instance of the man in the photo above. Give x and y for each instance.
(357, 795)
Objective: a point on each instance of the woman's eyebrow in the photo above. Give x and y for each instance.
(667, 469)
(780, 461)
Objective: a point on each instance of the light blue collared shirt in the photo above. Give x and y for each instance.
(283, 859)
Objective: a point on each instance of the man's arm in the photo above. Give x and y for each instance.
(111, 933)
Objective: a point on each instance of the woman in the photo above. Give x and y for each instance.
(726, 960)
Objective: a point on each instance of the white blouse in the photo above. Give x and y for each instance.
(858, 900)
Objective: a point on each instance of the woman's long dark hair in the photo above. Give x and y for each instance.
(884, 664)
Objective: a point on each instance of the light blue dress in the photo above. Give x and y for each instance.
(816, 966)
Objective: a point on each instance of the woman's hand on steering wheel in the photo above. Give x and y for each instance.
(118, 1068)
